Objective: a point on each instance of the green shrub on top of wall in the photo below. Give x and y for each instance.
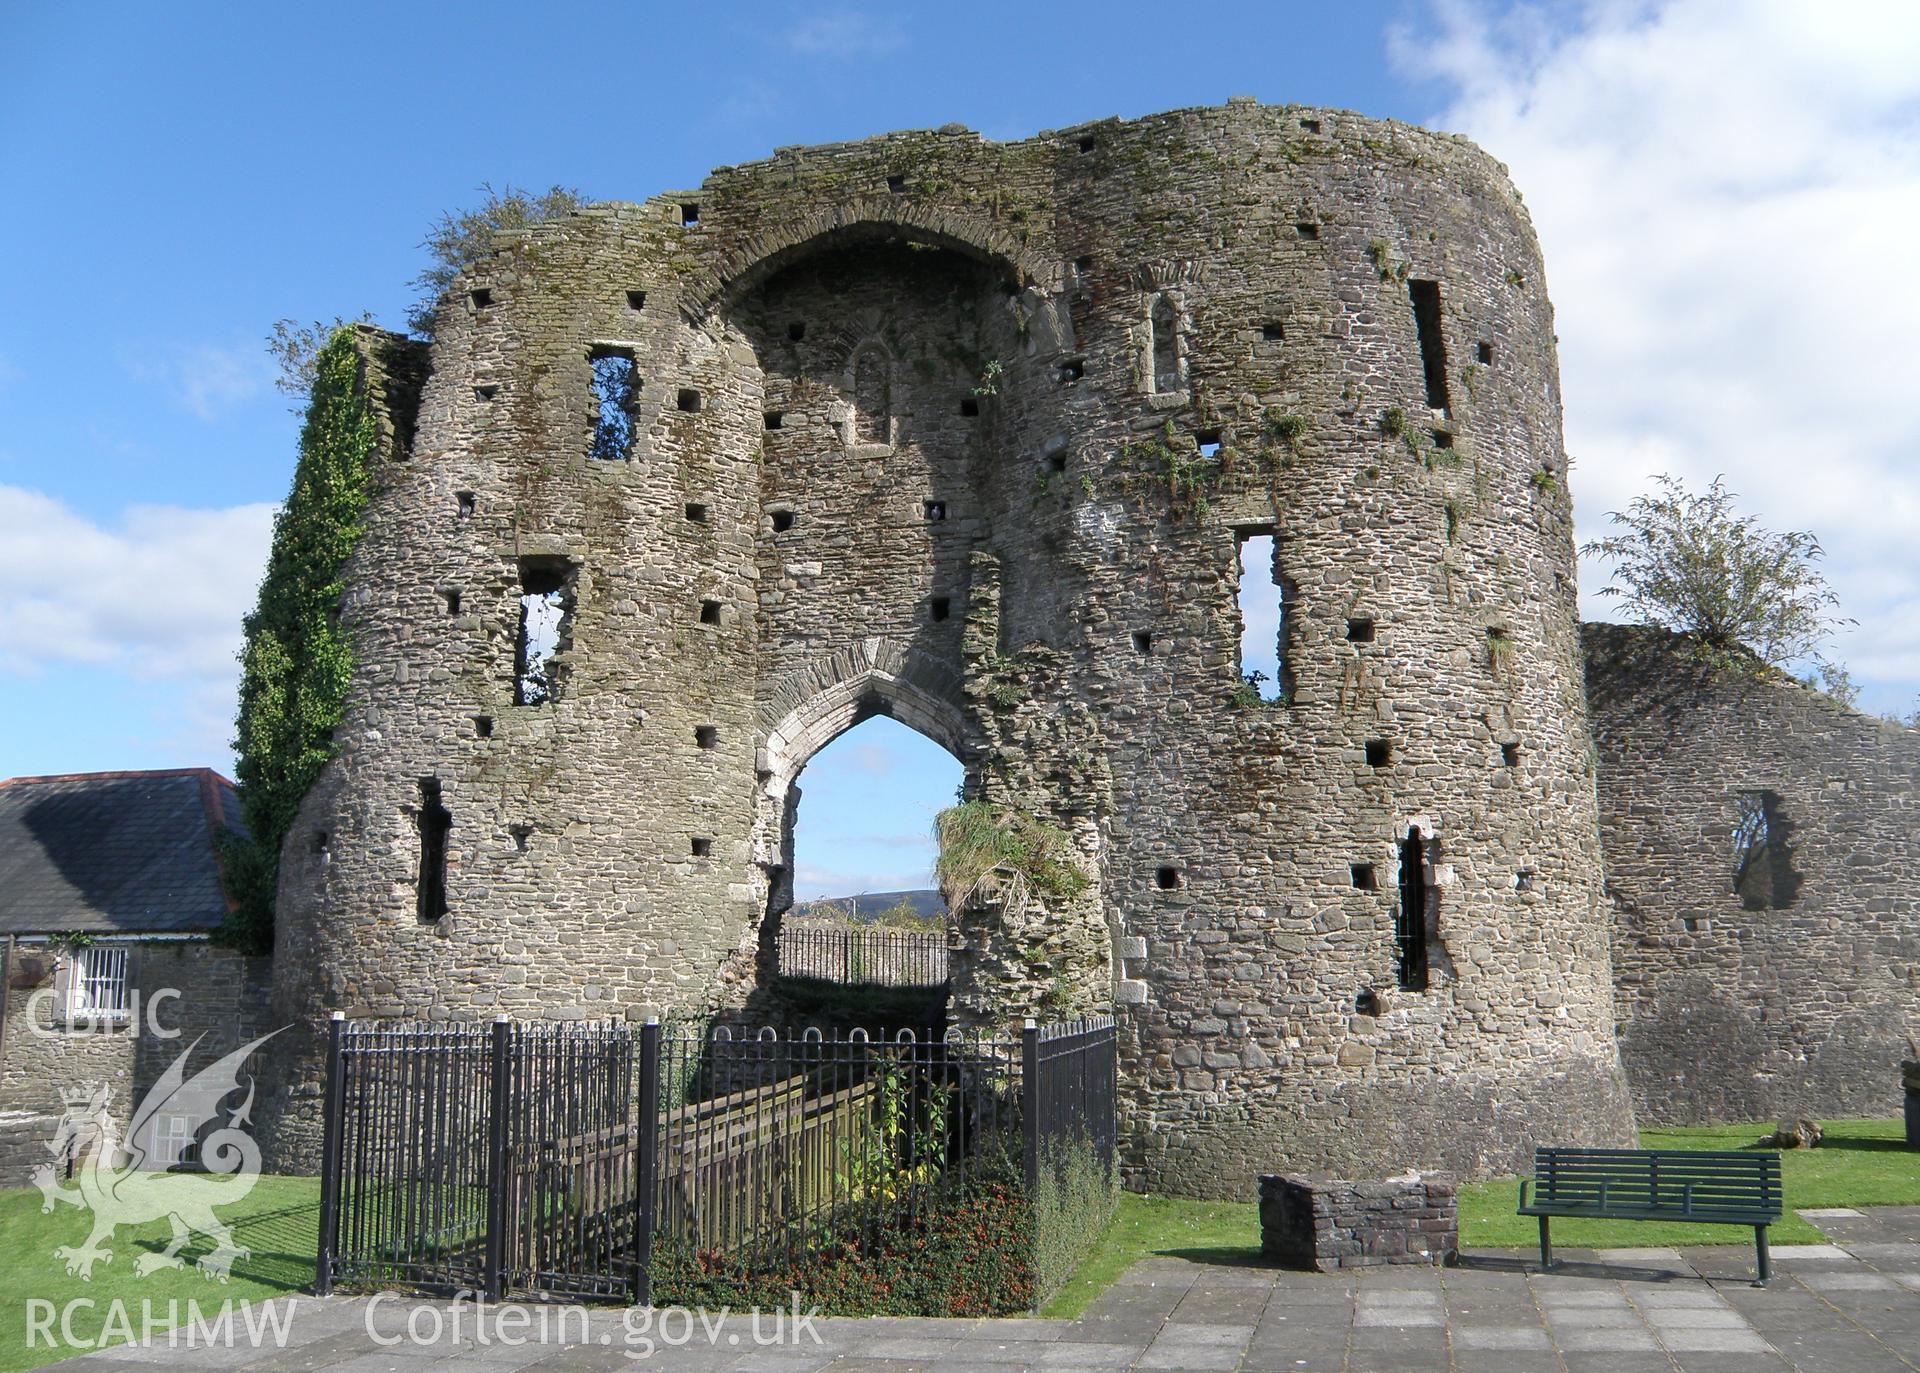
(297, 660)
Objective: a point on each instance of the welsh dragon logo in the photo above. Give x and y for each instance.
(132, 1184)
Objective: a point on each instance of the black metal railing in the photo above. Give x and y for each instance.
(777, 1143)
(577, 1161)
(1074, 1072)
(865, 956)
(405, 1177)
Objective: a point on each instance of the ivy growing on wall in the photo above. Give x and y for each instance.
(297, 658)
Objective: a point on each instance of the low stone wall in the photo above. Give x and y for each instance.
(23, 1145)
(1327, 1224)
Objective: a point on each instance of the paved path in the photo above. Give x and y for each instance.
(1852, 1306)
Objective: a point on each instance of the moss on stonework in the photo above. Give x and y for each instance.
(298, 660)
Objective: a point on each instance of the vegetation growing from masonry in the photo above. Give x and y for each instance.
(1382, 258)
(1190, 478)
(982, 842)
(1689, 563)
(296, 348)
(454, 244)
(1500, 652)
(460, 239)
(297, 659)
(1248, 696)
(1283, 433)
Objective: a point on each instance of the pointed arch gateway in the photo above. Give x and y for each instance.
(813, 707)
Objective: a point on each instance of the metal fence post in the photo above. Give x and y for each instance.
(1030, 1102)
(495, 1275)
(330, 1159)
(646, 1170)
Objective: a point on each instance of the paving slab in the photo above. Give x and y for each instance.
(1616, 1361)
(1586, 1339)
(1596, 1318)
(1500, 1337)
(1851, 1306)
(1663, 1298)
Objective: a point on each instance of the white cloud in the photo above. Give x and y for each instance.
(845, 34)
(873, 760)
(1723, 189)
(206, 379)
(159, 596)
(811, 882)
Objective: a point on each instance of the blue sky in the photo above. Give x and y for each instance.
(1722, 187)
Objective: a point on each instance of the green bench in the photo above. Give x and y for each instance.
(1711, 1188)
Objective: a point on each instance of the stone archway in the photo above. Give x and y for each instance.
(811, 708)
(759, 256)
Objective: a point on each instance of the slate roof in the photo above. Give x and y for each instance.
(113, 852)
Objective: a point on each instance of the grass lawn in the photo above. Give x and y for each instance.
(278, 1220)
(1862, 1163)
(1146, 1226)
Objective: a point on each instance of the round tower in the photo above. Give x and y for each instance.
(987, 437)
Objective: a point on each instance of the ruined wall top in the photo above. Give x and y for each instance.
(953, 188)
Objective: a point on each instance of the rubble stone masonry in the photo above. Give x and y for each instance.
(926, 426)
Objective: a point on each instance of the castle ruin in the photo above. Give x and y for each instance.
(974, 435)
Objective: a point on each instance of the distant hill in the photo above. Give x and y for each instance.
(927, 903)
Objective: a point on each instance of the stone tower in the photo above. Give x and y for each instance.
(973, 434)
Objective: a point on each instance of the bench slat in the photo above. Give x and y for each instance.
(1711, 1187)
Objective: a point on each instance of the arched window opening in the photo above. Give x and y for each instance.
(872, 397)
(1763, 871)
(1166, 347)
(866, 911)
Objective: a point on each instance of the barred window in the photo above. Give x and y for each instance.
(97, 984)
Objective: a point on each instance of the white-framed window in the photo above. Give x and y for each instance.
(95, 985)
(170, 1141)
